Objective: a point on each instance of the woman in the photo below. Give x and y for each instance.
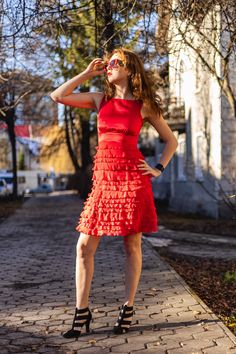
(121, 201)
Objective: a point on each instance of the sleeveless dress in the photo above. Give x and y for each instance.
(121, 200)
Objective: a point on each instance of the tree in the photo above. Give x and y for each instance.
(82, 35)
(15, 87)
(70, 34)
(208, 28)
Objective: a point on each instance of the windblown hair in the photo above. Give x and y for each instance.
(141, 84)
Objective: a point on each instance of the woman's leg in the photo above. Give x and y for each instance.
(133, 265)
(86, 248)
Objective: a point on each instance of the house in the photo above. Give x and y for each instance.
(201, 176)
(32, 112)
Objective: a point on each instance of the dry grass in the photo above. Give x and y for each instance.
(8, 206)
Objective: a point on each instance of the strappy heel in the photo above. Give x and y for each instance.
(77, 323)
(122, 325)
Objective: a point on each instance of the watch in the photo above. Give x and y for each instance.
(160, 167)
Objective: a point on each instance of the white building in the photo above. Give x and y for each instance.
(27, 146)
(201, 177)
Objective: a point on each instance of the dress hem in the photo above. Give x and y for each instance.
(114, 235)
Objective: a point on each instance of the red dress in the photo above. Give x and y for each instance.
(121, 200)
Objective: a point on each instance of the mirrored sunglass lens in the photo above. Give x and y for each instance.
(112, 62)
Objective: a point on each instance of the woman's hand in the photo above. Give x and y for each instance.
(64, 94)
(96, 67)
(149, 170)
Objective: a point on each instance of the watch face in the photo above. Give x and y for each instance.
(160, 167)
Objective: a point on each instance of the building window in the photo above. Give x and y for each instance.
(199, 157)
(181, 159)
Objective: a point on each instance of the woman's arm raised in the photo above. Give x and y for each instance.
(64, 93)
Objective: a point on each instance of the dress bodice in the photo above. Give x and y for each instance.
(119, 120)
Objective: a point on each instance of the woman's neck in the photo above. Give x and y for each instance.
(123, 92)
(124, 96)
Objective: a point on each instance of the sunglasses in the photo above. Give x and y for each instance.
(114, 63)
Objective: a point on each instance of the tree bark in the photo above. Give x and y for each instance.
(86, 160)
(12, 137)
(68, 142)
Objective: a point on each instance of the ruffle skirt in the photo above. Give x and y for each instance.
(121, 200)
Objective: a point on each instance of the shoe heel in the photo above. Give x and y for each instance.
(87, 324)
(87, 327)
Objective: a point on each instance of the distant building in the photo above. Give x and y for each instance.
(27, 148)
(32, 114)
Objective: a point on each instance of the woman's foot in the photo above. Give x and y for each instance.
(124, 320)
(81, 317)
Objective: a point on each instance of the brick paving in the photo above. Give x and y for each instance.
(37, 292)
(194, 243)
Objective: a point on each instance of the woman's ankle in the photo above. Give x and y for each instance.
(81, 306)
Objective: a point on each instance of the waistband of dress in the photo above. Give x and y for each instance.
(118, 138)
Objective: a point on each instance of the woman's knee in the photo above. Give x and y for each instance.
(133, 244)
(86, 246)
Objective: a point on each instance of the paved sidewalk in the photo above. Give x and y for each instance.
(37, 297)
(194, 243)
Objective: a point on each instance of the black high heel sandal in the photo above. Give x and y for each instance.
(121, 324)
(77, 324)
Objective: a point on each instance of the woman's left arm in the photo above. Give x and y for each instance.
(166, 135)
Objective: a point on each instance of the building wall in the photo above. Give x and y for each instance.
(30, 161)
(196, 165)
(228, 137)
(161, 185)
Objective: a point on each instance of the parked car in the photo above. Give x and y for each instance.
(3, 187)
(43, 188)
(8, 177)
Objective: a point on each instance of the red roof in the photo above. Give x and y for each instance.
(20, 130)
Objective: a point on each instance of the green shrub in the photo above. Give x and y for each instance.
(229, 276)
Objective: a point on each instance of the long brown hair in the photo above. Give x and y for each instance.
(141, 84)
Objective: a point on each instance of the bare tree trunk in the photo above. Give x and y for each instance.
(86, 159)
(68, 142)
(108, 34)
(11, 132)
(85, 146)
